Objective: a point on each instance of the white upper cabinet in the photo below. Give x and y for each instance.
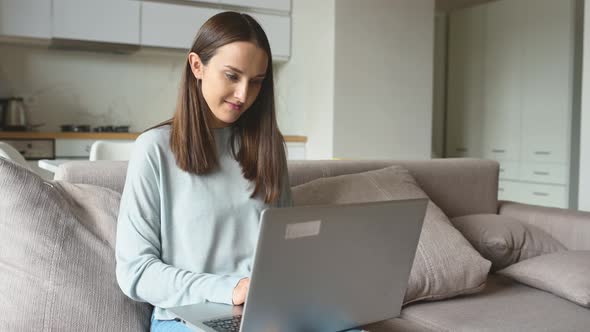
(171, 25)
(206, 1)
(25, 18)
(175, 26)
(282, 5)
(113, 21)
(148, 23)
(278, 32)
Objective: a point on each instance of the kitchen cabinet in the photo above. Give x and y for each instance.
(509, 191)
(547, 80)
(509, 170)
(147, 23)
(465, 102)
(77, 148)
(73, 148)
(502, 81)
(111, 21)
(25, 18)
(544, 194)
(278, 32)
(509, 94)
(175, 26)
(533, 193)
(554, 173)
(282, 5)
(215, 2)
(171, 25)
(295, 150)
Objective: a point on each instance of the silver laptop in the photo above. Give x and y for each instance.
(322, 268)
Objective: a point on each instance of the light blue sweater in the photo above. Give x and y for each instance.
(185, 238)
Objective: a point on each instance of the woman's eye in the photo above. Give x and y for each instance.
(231, 76)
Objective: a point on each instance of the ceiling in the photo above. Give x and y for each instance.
(450, 5)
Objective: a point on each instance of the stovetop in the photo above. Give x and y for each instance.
(98, 129)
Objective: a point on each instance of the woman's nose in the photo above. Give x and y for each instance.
(241, 92)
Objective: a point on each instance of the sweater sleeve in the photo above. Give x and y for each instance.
(140, 272)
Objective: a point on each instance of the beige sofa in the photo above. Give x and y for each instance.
(459, 187)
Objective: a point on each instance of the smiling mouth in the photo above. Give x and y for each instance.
(234, 106)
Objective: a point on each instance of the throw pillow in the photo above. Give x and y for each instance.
(563, 273)
(504, 240)
(445, 264)
(57, 258)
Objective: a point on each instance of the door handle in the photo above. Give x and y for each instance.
(542, 153)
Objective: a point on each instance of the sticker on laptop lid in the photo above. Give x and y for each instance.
(303, 229)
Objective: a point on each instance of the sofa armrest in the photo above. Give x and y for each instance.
(104, 173)
(571, 228)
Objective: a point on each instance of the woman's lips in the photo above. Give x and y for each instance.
(233, 106)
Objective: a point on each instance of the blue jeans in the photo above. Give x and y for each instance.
(178, 326)
(168, 326)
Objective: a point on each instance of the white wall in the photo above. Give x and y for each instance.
(439, 86)
(75, 87)
(383, 79)
(305, 84)
(91, 88)
(584, 175)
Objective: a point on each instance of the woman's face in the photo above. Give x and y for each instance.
(231, 80)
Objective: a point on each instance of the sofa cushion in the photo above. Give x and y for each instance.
(564, 273)
(504, 240)
(57, 258)
(570, 227)
(445, 265)
(504, 305)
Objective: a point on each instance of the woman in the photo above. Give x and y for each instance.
(196, 184)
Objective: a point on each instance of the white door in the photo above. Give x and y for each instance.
(464, 103)
(547, 80)
(502, 76)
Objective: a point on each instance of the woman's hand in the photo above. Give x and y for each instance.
(240, 291)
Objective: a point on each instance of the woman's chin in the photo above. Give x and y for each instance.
(230, 121)
(227, 121)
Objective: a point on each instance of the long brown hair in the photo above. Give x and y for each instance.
(262, 149)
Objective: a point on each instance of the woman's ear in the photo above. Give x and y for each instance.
(196, 65)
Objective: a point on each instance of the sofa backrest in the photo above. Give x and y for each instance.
(459, 186)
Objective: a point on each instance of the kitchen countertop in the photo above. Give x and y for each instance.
(68, 135)
(96, 135)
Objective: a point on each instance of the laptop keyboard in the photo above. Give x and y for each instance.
(231, 324)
